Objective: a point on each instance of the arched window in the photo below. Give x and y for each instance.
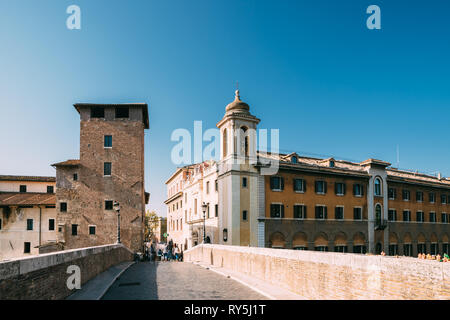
(294, 159)
(225, 143)
(244, 141)
(377, 187)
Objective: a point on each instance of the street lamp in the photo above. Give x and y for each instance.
(204, 207)
(116, 207)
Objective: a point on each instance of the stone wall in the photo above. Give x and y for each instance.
(45, 276)
(329, 275)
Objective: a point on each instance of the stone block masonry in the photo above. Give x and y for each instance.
(44, 277)
(329, 275)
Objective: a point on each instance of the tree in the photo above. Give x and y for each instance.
(150, 224)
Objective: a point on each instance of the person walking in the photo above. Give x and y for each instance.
(165, 253)
(177, 252)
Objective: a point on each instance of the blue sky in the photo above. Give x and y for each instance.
(310, 68)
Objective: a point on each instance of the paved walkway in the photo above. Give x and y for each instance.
(177, 281)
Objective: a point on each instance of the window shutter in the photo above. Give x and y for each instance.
(336, 212)
(281, 183)
(325, 187)
(293, 184)
(362, 190)
(304, 185)
(304, 212)
(354, 189)
(325, 213)
(343, 188)
(282, 211)
(271, 182)
(317, 212)
(335, 188)
(315, 186)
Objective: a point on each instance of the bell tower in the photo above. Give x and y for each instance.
(237, 180)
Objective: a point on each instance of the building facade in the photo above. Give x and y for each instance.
(310, 203)
(27, 216)
(110, 169)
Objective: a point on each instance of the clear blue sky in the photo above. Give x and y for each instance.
(310, 68)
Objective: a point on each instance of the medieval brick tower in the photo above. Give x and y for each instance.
(110, 168)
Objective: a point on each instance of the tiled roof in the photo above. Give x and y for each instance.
(16, 198)
(27, 178)
(67, 163)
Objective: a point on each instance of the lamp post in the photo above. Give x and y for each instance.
(204, 207)
(116, 206)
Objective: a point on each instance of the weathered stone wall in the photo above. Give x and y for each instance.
(45, 276)
(329, 275)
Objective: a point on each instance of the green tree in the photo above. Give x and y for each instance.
(150, 224)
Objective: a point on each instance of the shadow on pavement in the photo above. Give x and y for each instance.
(137, 283)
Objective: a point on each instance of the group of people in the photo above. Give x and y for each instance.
(165, 252)
(437, 257)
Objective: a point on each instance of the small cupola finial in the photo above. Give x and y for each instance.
(236, 93)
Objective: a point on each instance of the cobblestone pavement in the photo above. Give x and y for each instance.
(170, 280)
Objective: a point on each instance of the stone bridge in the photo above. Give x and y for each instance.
(212, 272)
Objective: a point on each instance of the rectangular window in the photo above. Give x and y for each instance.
(27, 247)
(392, 215)
(75, 176)
(122, 112)
(339, 213)
(244, 215)
(357, 213)
(393, 249)
(50, 189)
(420, 216)
(207, 187)
(433, 248)
(23, 188)
(359, 249)
(321, 187)
(276, 183)
(407, 249)
(216, 210)
(107, 169)
(406, 195)
(443, 198)
(108, 142)
(217, 186)
(92, 230)
(339, 188)
(421, 248)
(299, 211)
(244, 182)
(432, 216)
(444, 217)
(299, 185)
(432, 197)
(406, 215)
(419, 196)
(358, 189)
(97, 112)
(108, 204)
(74, 229)
(29, 224)
(321, 212)
(276, 210)
(392, 193)
(63, 207)
(51, 224)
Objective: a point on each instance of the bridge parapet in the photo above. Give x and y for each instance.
(330, 275)
(45, 276)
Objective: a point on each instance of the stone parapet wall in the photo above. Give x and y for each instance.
(329, 275)
(45, 276)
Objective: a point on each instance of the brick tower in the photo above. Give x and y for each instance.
(110, 168)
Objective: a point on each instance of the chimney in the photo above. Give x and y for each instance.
(439, 176)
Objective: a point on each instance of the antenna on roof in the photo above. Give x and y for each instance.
(398, 156)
